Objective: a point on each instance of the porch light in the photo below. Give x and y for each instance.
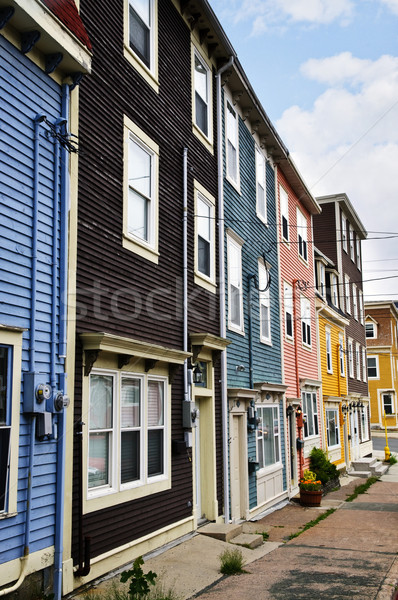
(197, 374)
(344, 410)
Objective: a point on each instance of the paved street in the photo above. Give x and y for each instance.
(380, 441)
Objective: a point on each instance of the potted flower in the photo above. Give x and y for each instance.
(310, 489)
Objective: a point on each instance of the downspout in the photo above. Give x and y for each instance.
(298, 391)
(221, 266)
(63, 261)
(249, 280)
(32, 363)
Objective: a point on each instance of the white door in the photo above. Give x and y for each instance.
(197, 467)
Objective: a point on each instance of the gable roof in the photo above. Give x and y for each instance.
(66, 11)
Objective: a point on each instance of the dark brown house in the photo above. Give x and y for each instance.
(338, 233)
(147, 441)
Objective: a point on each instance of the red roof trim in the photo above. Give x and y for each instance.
(66, 12)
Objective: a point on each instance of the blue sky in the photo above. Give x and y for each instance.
(326, 72)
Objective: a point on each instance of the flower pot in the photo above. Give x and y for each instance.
(310, 498)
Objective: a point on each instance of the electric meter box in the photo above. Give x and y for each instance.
(36, 392)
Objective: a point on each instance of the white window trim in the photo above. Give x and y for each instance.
(361, 311)
(288, 304)
(12, 338)
(358, 361)
(393, 402)
(234, 182)
(235, 240)
(337, 417)
(334, 289)
(341, 355)
(377, 367)
(315, 416)
(264, 162)
(198, 51)
(365, 426)
(364, 365)
(344, 232)
(355, 301)
(264, 299)
(321, 278)
(284, 211)
(116, 493)
(358, 253)
(350, 357)
(328, 337)
(374, 329)
(351, 242)
(302, 231)
(305, 309)
(278, 464)
(209, 283)
(347, 294)
(151, 74)
(150, 249)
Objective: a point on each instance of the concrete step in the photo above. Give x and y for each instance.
(221, 531)
(363, 474)
(363, 464)
(380, 469)
(248, 540)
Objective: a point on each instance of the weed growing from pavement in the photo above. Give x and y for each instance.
(265, 535)
(392, 460)
(231, 562)
(362, 488)
(117, 592)
(312, 523)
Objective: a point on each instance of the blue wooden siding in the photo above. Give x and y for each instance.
(26, 91)
(259, 240)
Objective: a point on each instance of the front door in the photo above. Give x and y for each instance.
(238, 472)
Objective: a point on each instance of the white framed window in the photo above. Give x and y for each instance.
(350, 357)
(261, 185)
(388, 403)
(268, 436)
(347, 294)
(373, 367)
(321, 279)
(334, 289)
(358, 360)
(284, 201)
(332, 427)
(202, 90)
(302, 227)
(305, 306)
(232, 143)
(127, 431)
(341, 354)
(264, 301)
(344, 231)
(310, 414)
(355, 301)
(141, 38)
(288, 303)
(364, 366)
(329, 363)
(205, 265)
(370, 330)
(364, 424)
(358, 252)
(140, 213)
(352, 242)
(235, 289)
(361, 311)
(10, 403)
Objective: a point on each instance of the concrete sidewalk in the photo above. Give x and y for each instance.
(350, 554)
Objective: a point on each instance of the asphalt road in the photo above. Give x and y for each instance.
(380, 442)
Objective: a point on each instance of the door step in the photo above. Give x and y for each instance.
(232, 533)
(248, 540)
(366, 467)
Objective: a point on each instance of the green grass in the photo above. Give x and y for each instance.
(312, 523)
(231, 562)
(265, 535)
(362, 488)
(118, 592)
(392, 460)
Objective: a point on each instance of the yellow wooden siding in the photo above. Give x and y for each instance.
(333, 384)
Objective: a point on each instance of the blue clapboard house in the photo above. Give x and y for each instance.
(40, 63)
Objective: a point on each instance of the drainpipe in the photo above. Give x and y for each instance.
(249, 280)
(185, 268)
(63, 261)
(221, 266)
(32, 342)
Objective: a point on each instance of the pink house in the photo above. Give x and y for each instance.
(299, 332)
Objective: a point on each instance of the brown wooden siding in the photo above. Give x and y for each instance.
(113, 90)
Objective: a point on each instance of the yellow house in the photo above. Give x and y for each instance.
(381, 323)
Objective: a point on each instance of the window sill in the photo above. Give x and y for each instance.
(262, 219)
(206, 283)
(142, 69)
(266, 342)
(236, 329)
(302, 260)
(306, 346)
(233, 183)
(269, 470)
(202, 137)
(8, 515)
(141, 249)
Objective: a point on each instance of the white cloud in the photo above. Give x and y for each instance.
(392, 5)
(348, 141)
(267, 13)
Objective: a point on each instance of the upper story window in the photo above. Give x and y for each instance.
(373, 367)
(268, 436)
(364, 369)
(358, 252)
(141, 38)
(205, 266)
(355, 301)
(302, 235)
(232, 144)
(5, 420)
(261, 189)
(140, 222)
(370, 330)
(321, 278)
(310, 414)
(358, 360)
(351, 357)
(347, 294)
(288, 301)
(264, 301)
(329, 364)
(284, 201)
(334, 289)
(235, 291)
(352, 243)
(305, 320)
(361, 316)
(344, 231)
(341, 355)
(388, 404)
(202, 91)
